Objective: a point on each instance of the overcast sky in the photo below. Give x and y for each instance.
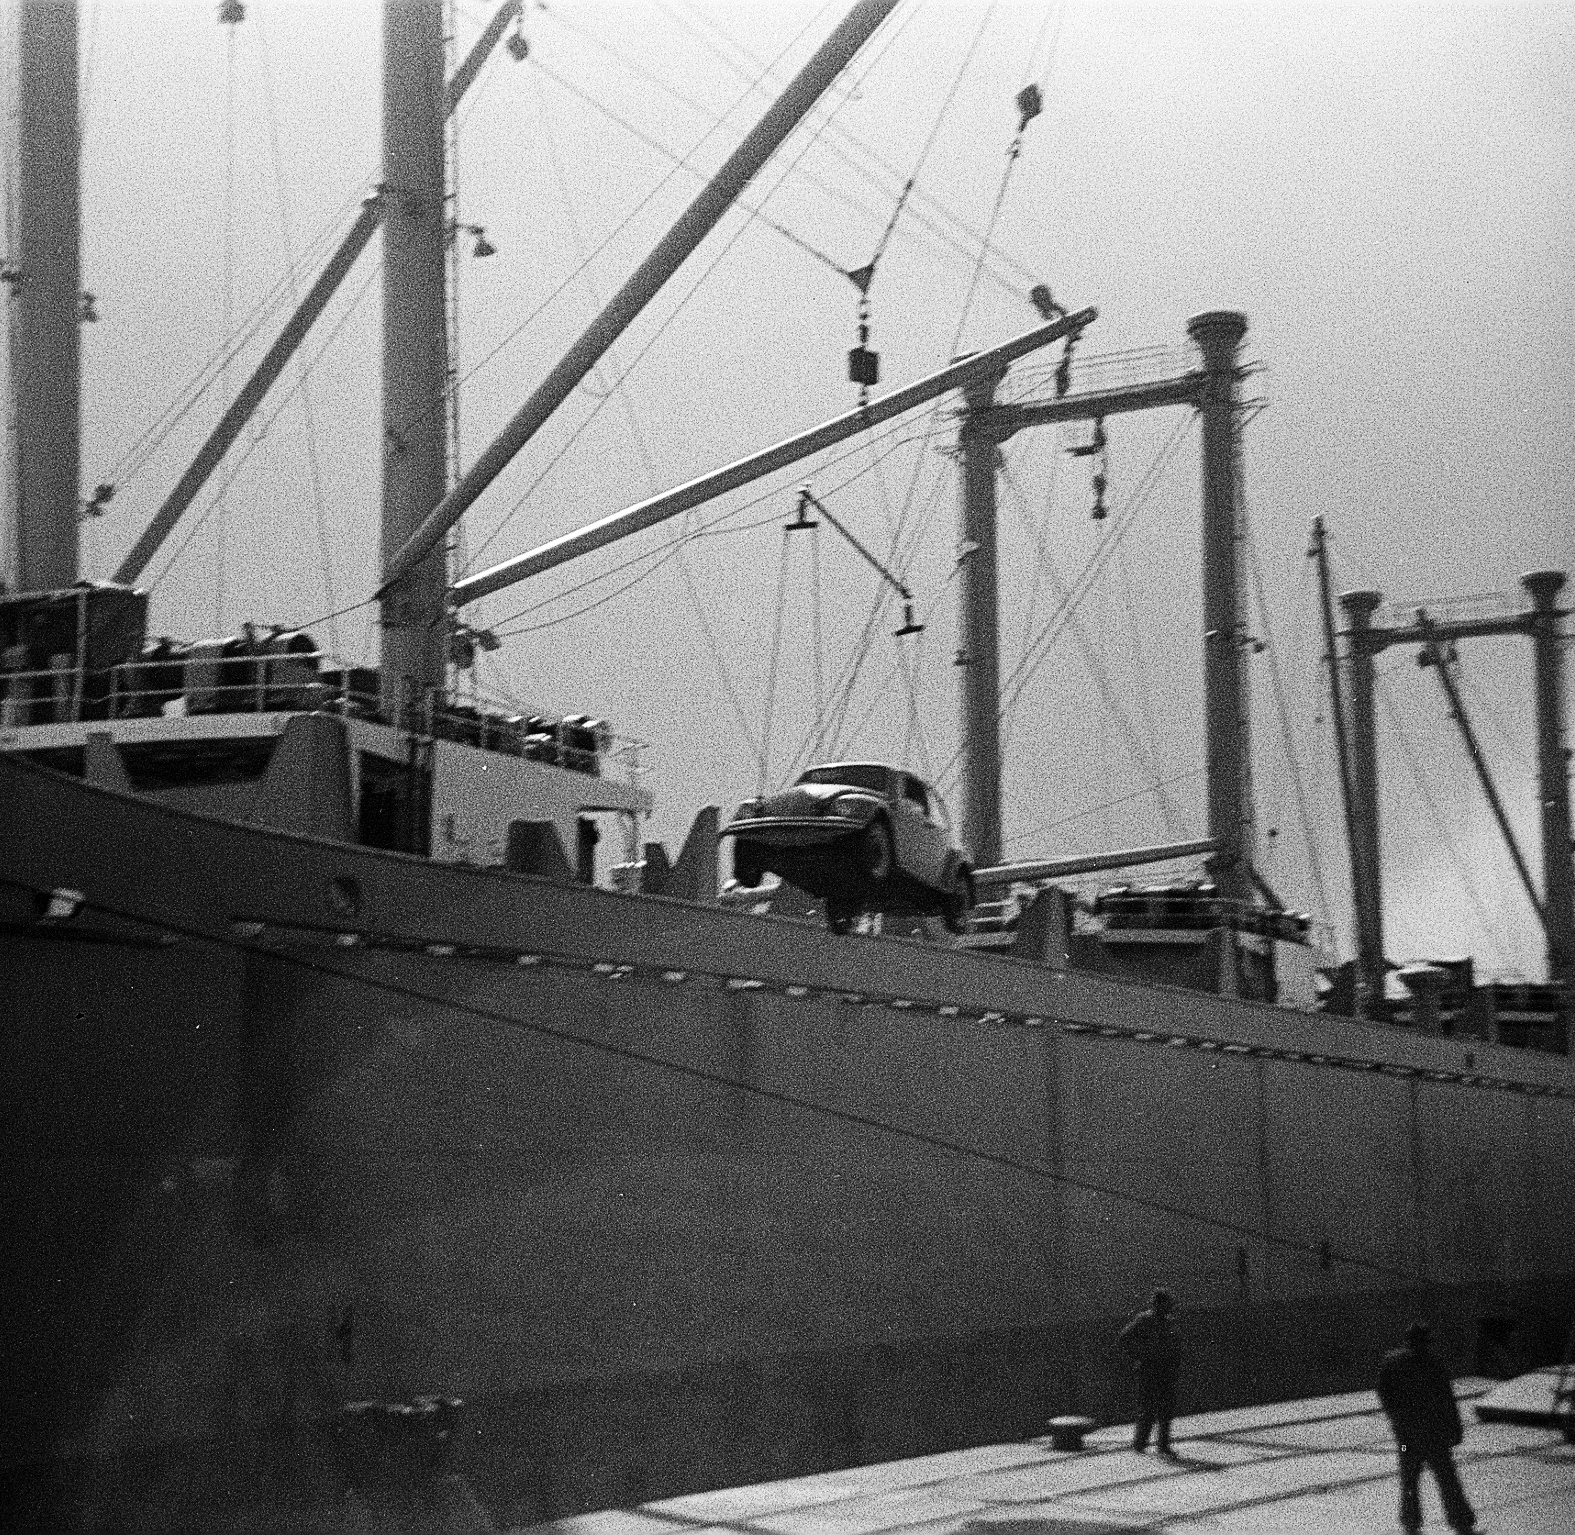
(1384, 190)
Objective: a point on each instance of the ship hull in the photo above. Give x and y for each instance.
(671, 1196)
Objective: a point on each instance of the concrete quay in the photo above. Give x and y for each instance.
(1318, 1466)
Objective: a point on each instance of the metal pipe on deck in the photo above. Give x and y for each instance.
(719, 194)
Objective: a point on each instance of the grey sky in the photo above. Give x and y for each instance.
(1384, 190)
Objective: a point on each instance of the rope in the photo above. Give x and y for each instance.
(314, 468)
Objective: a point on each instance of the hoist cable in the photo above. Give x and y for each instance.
(1142, 755)
(660, 331)
(771, 670)
(1022, 674)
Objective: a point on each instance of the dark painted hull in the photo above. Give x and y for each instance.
(670, 1195)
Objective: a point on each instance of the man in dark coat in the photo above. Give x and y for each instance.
(1151, 1343)
(1420, 1404)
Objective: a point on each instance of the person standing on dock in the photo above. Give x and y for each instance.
(1417, 1398)
(1150, 1342)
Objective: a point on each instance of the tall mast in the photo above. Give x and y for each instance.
(978, 629)
(43, 281)
(415, 350)
(1218, 335)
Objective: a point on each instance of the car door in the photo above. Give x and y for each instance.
(923, 852)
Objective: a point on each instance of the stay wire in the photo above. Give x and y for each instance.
(1282, 705)
(1144, 756)
(314, 468)
(1023, 673)
(706, 530)
(246, 453)
(641, 442)
(1440, 823)
(847, 147)
(659, 333)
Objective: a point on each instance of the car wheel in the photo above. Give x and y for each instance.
(840, 915)
(875, 851)
(959, 902)
(748, 869)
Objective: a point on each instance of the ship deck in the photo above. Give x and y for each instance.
(1317, 1466)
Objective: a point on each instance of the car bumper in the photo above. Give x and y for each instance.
(794, 831)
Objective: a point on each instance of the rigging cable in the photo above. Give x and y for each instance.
(228, 18)
(641, 442)
(1143, 756)
(1103, 805)
(962, 243)
(661, 330)
(1441, 825)
(1022, 674)
(1282, 705)
(262, 432)
(771, 672)
(314, 468)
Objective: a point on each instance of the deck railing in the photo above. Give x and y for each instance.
(207, 681)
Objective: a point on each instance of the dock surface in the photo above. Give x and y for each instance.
(1318, 1466)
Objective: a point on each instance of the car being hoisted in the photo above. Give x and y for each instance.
(862, 836)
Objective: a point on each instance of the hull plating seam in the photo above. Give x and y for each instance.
(249, 933)
(1326, 1253)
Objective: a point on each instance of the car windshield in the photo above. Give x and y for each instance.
(858, 775)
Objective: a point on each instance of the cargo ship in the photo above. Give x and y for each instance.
(368, 1161)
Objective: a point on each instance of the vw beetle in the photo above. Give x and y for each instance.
(862, 836)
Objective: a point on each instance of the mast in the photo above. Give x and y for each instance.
(1553, 772)
(1342, 742)
(978, 628)
(1363, 642)
(415, 351)
(43, 280)
(1227, 720)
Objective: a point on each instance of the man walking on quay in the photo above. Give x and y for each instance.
(1415, 1393)
(1151, 1343)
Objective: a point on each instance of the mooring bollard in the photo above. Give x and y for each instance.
(1066, 1432)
